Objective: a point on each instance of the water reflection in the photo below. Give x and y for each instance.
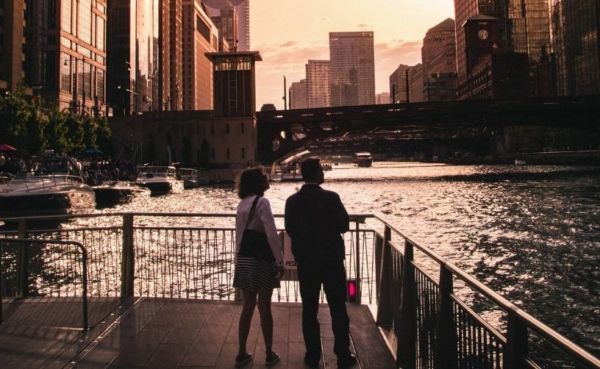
(529, 232)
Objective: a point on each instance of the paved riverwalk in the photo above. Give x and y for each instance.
(164, 333)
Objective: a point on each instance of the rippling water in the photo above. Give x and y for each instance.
(531, 233)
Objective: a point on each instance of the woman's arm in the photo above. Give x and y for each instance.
(266, 217)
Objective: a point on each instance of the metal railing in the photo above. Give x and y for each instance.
(434, 328)
(33, 268)
(430, 325)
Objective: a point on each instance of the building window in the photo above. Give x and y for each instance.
(66, 14)
(203, 28)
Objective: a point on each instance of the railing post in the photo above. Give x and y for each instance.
(445, 351)
(358, 284)
(22, 261)
(515, 351)
(384, 279)
(127, 257)
(406, 333)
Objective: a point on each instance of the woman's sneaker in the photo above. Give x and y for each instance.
(272, 359)
(243, 359)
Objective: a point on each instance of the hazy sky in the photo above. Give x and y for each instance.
(289, 32)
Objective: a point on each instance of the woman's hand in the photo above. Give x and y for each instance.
(279, 271)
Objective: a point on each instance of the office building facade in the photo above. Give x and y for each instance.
(399, 86)
(382, 98)
(65, 53)
(242, 10)
(11, 44)
(438, 56)
(298, 95)
(317, 80)
(133, 56)
(200, 36)
(576, 46)
(352, 68)
(226, 22)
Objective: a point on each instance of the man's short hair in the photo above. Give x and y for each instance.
(310, 169)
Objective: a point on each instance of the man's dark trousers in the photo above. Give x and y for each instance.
(332, 276)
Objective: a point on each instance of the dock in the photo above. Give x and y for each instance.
(168, 333)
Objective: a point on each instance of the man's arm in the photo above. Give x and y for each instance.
(340, 219)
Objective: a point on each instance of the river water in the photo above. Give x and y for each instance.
(531, 233)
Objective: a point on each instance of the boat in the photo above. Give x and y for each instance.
(47, 185)
(363, 159)
(113, 193)
(192, 178)
(158, 179)
(288, 169)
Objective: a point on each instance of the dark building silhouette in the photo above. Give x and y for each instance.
(234, 83)
(399, 85)
(133, 56)
(576, 46)
(438, 56)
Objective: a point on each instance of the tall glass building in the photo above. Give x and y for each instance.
(66, 52)
(317, 83)
(351, 68)
(133, 53)
(11, 44)
(576, 45)
(242, 10)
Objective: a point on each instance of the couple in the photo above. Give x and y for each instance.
(314, 220)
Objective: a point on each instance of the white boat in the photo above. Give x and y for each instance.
(158, 179)
(49, 185)
(192, 178)
(363, 159)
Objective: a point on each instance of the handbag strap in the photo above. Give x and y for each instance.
(252, 210)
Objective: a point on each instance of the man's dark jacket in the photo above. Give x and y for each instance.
(315, 219)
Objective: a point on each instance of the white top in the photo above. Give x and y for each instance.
(262, 221)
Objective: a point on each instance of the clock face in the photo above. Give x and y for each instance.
(483, 34)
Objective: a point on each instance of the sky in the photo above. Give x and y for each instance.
(289, 32)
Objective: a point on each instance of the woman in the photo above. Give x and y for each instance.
(257, 270)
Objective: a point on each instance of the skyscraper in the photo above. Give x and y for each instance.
(399, 84)
(352, 68)
(69, 68)
(226, 22)
(317, 80)
(11, 47)
(133, 56)
(438, 56)
(242, 9)
(299, 95)
(199, 37)
(576, 45)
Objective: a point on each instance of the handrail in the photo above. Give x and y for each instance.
(516, 314)
(585, 357)
(84, 254)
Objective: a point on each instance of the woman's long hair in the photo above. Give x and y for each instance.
(251, 182)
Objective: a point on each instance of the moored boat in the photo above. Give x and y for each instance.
(192, 178)
(48, 185)
(158, 179)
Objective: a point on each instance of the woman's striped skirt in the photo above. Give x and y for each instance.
(254, 273)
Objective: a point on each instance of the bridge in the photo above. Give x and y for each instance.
(281, 132)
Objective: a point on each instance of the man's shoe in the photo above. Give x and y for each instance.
(243, 359)
(347, 362)
(272, 359)
(311, 363)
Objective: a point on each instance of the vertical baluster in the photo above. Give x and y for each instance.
(446, 329)
(22, 261)
(407, 328)
(385, 287)
(128, 262)
(515, 351)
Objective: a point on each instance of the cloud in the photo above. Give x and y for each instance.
(363, 26)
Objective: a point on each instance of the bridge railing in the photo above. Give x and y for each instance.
(430, 321)
(435, 328)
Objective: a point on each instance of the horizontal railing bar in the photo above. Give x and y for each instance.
(585, 357)
(493, 331)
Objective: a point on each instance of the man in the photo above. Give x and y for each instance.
(314, 220)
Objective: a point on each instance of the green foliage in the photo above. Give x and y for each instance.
(32, 128)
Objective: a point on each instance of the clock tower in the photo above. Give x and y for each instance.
(482, 35)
